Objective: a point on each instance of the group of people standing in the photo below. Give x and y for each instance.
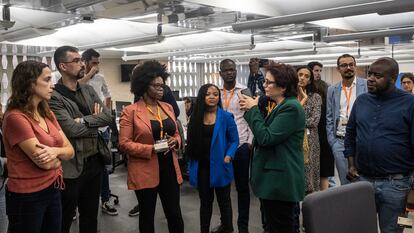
(282, 143)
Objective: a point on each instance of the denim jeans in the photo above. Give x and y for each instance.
(390, 200)
(241, 178)
(340, 161)
(38, 212)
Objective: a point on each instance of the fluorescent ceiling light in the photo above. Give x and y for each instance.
(369, 34)
(119, 44)
(153, 15)
(188, 52)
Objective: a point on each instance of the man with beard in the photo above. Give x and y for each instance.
(379, 142)
(230, 98)
(80, 113)
(339, 102)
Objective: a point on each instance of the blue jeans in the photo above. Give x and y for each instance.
(390, 200)
(38, 212)
(340, 161)
(241, 178)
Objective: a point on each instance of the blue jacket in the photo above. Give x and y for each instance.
(224, 142)
(333, 105)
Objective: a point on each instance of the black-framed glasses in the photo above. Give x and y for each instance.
(375, 74)
(75, 60)
(267, 82)
(158, 86)
(344, 65)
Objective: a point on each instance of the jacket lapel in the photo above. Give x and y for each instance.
(141, 113)
(360, 87)
(219, 120)
(337, 95)
(87, 97)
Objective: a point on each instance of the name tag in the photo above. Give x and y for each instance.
(161, 146)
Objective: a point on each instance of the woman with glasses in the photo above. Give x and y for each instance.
(277, 172)
(149, 135)
(211, 146)
(311, 103)
(34, 145)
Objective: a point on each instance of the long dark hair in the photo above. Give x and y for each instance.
(24, 76)
(194, 132)
(310, 88)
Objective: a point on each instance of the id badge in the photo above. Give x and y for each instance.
(161, 146)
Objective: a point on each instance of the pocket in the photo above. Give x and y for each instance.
(403, 185)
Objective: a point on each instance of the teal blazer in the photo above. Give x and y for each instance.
(277, 171)
(224, 142)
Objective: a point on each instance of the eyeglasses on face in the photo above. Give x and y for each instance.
(75, 60)
(158, 86)
(344, 65)
(268, 82)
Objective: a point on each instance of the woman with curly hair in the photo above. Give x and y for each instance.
(149, 135)
(34, 144)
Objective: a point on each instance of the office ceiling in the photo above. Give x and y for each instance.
(292, 31)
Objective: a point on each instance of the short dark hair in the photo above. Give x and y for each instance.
(89, 53)
(344, 56)
(226, 61)
(310, 88)
(60, 54)
(312, 64)
(285, 77)
(142, 76)
(391, 63)
(407, 75)
(24, 76)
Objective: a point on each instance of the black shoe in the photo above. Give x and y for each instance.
(134, 211)
(221, 229)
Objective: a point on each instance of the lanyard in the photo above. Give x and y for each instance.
(348, 98)
(270, 106)
(227, 100)
(159, 119)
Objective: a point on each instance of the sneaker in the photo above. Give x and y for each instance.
(109, 209)
(134, 211)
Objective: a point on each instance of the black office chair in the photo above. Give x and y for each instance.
(346, 209)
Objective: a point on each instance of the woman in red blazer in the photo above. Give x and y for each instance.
(149, 135)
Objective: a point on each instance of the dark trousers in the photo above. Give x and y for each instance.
(38, 212)
(169, 192)
(281, 216)
(105, 190)
(83, 192)
(206, 194)
(241, 178)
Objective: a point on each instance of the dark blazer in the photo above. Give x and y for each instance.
(83, 137)
(277, 171)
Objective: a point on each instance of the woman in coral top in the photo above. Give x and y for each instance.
(34, 144)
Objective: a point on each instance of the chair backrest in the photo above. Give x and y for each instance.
(346, 209)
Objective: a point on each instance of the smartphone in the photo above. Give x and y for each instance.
(246, 92)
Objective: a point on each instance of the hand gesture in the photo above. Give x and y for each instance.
(97, 109)
(227, 159)
(45, 154)
(247, 102)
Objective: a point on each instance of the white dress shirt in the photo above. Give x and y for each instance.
(345, 110)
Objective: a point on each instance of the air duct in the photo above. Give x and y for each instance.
(369, 34)
(358, 9)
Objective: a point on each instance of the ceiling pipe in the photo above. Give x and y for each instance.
(358, 9)
(369, 34)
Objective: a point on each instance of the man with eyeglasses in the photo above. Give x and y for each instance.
(80, 113)
(379, 142)
(339, 102)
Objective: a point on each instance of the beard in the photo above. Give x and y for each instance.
(80, 74)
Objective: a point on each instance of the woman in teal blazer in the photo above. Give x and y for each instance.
(211, 144)
(277, 173)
